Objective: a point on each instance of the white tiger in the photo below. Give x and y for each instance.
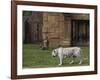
(71, 52)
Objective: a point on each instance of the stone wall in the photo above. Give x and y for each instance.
(57, 27)
(54, 28)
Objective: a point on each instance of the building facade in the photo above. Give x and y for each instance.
(66, 29)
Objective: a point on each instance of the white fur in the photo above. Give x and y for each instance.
(71, 52)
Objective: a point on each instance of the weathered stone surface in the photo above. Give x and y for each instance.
(54, 27)
(80, 16)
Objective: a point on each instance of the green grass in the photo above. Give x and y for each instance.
(34, 56)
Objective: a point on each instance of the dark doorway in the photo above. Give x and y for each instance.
(80, 32)
(33, 33)
(27, 31)
(36, 32)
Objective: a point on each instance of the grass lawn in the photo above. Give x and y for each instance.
(34, 56)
